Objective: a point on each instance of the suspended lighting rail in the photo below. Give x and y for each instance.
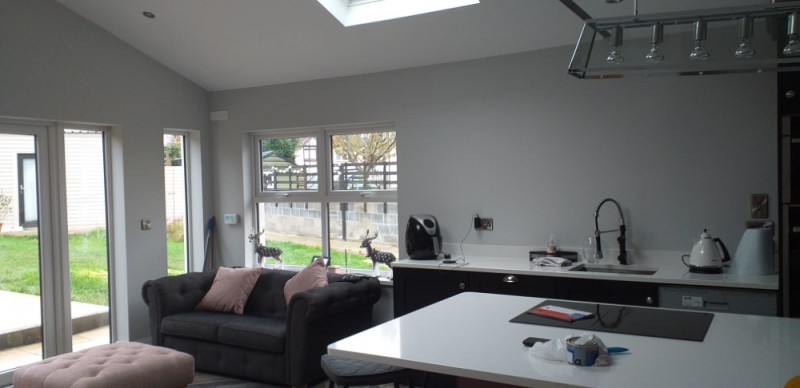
(710, 41)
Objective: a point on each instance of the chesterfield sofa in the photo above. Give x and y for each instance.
(272, 341)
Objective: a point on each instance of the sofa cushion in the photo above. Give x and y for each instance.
(312, 276)
(266, 299)
(200, 325)
(264, 334)
(230, 290)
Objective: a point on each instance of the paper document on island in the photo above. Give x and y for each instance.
(562, 313)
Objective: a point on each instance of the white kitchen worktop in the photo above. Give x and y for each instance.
(469, 335)
(669, 271)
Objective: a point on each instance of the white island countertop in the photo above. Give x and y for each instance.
(469, 335)
(668, 272)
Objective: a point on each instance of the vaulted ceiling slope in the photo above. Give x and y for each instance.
(232, 44)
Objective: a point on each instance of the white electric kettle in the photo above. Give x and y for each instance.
(705, 256)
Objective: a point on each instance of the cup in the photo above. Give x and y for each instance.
(590, 249)
(582, 354)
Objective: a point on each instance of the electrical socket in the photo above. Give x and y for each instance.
(481, 223)
(759, 206)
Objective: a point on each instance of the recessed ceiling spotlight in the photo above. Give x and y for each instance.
(149, 15)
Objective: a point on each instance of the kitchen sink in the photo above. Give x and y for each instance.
(610, 268)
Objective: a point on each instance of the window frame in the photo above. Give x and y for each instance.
(324, 195)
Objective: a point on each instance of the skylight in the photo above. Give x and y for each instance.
(355, 12)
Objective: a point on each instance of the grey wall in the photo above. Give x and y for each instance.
(517, 139)
(58, 66)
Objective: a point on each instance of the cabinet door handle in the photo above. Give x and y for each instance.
(649, 300)
(510, 279)
(462, 286)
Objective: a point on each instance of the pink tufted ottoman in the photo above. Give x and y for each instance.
(123, 364)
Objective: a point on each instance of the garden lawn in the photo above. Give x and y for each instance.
(301, 255)
(19, 263)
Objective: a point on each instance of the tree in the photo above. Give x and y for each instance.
(172, 150)
(366, 150)
(285, 148)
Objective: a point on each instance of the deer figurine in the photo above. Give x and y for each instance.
(376, 256)
(264, 251)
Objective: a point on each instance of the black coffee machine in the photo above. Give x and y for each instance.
(423, 240)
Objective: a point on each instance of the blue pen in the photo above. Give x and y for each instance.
(616, 349)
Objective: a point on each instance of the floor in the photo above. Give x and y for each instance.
(12, 358)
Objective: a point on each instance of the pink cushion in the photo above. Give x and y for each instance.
(312, 276)
(230, 290)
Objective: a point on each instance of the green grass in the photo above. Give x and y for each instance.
(299, 254)
(19, 263)
(176, 262)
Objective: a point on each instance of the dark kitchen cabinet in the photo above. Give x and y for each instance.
(417, 288)
(789, 193)
(608, 291)
(510, 284)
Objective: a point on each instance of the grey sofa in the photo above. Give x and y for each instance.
(271, 342)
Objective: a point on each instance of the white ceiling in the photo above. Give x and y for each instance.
(231, 44)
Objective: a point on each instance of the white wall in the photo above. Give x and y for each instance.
(58, 66)
(517, 139)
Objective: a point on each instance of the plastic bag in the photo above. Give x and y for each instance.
(556, 349)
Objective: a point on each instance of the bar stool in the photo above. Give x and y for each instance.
(348, 372)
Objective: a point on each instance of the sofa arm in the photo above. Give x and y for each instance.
(321, 316)
(172, 295)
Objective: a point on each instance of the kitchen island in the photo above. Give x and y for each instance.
(469, 335)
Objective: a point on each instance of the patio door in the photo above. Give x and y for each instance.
(23, 161)
(53, 245)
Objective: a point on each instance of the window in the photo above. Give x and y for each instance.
(183, 192)
(323, 191)
(356, 12)
(175, 195)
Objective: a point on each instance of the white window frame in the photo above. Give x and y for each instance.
(324, 195)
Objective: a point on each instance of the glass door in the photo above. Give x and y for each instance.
(54, 250)
(85, 173)
(21, 331)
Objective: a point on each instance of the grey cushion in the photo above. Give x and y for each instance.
(266, 299)
(347, 371)
(200, 325)
(266, 334)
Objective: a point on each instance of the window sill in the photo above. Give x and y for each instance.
(385, 282)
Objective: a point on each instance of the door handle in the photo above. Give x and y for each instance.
(510, 279)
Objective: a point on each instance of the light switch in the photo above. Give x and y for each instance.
(146, 225)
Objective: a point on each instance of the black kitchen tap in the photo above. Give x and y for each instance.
(623, 253)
